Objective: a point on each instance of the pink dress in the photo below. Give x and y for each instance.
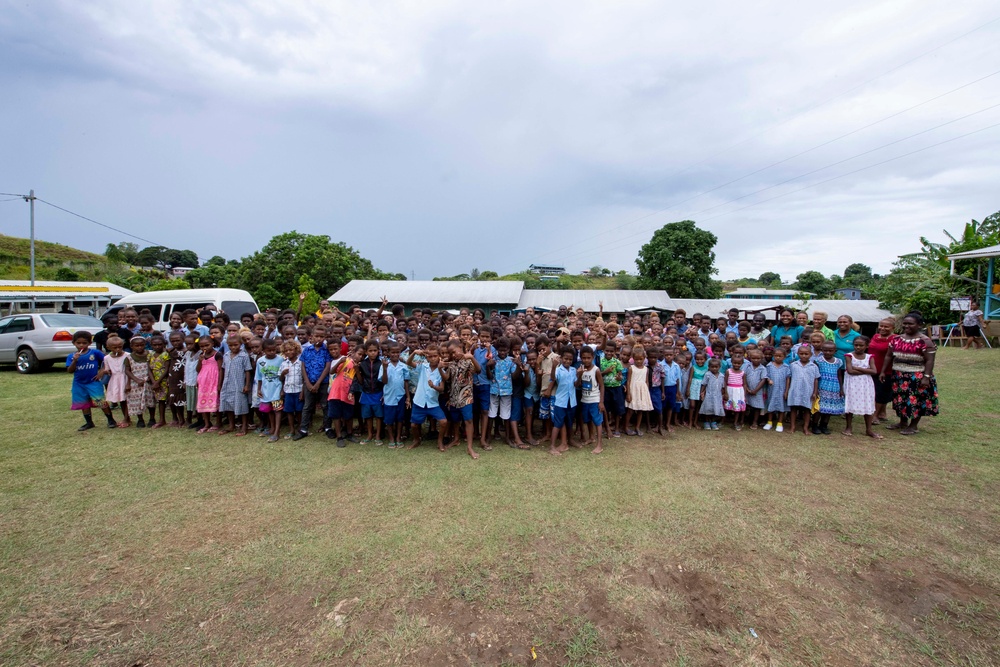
(116, 385)
(208, 385)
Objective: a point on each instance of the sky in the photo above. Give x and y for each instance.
(435, 137)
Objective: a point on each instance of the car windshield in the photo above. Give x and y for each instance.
(59, 321)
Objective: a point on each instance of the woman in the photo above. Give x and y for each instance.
(844, 336)
(970, 326)
(914, 391)
(786, 327)
(878, 347)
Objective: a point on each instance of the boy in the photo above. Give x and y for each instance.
(460, 373)
(86, 366)
(502, 371)
(591, 382)
(394, 377)
(612, 372)
(547, 360)
(426, 399)
(562, 389)
(369, 371)
(316, 362)
(481, 383)
(267, 379)
(671, 379)
(340, 403)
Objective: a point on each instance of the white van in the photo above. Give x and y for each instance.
(234, 302)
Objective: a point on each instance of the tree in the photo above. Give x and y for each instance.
(769, 278)
(67, 275)
(857, 274)
(474, 274)
(489, 275)
(216, 260)
(171, 283)
(166, 258)
(308, 287)
(273, 272)
(214, 275)
(679, 259)
(813, 281)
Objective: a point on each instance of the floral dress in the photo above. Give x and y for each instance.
(140, 396)
(859, 390)
(830, 400)
(175, 380)
(909, 399)
(158, 368)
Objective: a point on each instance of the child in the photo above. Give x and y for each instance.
(802, 387)
(734, 389)
(682, 403)
(591, 382)
(140, 394)
(637, 392)
(316, 364)
(114, 368)
(340, 402)
(695, 377)
(85, 365)
(371, 393)
(754, 382)
(267, 377)
(713, 395)
(426, 400)
(460, 373)
(146, 330)
(831, 387)
(237, 376)
(529, 369)
(176, 398)
(777, 380)
(671, 380)
(656, 392)
(210, 379)
(614, 394)
(394, 377)
(859, 387)
(481, 383)
(159, 362)
(562, 389)
(501, 371)
(292, 386)
(191, 355)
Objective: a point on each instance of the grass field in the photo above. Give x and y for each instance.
(135, 548)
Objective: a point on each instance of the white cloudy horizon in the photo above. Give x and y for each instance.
(437, 137)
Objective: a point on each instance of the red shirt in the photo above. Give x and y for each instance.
(877, 347)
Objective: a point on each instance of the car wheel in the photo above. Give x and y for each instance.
(27, 362)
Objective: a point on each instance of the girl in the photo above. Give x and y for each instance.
(210, 379)
(754, 381)
(176, 326)
(914, 390)
(140, 393)
(734, 382)
(859, 387)
(146, 330)
(176, 397)
(682, 405)
(831, 388)
(695, 377)
(638, 399)
(713, 395)
(234, 388)
(159, 361)
(256, 352)
(802, 387)
(114, 366)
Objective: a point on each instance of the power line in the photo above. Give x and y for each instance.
(12, 194)
(101, 224)
(11, 199)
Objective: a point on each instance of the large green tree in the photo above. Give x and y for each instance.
(679, 259)
(857, 274)
(272, 274)
(813, 281)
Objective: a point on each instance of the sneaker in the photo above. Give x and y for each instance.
(715, 426)
(331, 434)
(299, 435)
(112, 423)
(769, 425)
(341, 442)
(196, 425)
(825, 431)
(779, 428)
(708, 426)
(86, 427)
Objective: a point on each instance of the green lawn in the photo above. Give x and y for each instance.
(166, 548)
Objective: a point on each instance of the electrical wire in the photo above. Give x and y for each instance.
(12, 194)
(12, 199)
(101, 224)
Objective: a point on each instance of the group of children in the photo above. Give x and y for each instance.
(570, 378)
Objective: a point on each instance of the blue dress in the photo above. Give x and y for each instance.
(778, 374)
(800, 391)
(830, 400)
(712, 405)
(753, 376)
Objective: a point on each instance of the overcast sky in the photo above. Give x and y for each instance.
(435, 137)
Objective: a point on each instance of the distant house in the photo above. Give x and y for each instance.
(786, 294)
(547, 269)
(179, 271)
(852, 293)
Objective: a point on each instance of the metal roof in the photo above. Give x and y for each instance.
(615, 301)
(982, 253)
(860, 310)
(13, 290)
(430, 291)
(741, 291)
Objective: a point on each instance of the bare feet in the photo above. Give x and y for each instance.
(873, 434)
(896, 427)
(847, 432)
(597, 450)
(909, 431)
(473, 454)
(554, 452)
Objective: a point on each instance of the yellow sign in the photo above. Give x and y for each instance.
(49, 288)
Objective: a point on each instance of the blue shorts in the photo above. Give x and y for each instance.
(614, 400)
(87, 394)
(657, 398)
(292, 403)
(392, 414)
(592, 413)
(545, 408)
(462, 414)
(336, 409)
(562, 416)
(517, 409)
(670, 402)
(369, 410)
(481, 393)
(371, 398)
(420, 414)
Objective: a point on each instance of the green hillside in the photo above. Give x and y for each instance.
(53, 261)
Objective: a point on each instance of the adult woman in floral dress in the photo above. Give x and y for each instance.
(914, 391)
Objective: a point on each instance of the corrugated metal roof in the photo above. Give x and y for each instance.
(58, 289)
(430, 291)
(860, 310)
(982, 253)
(615, 301)
(741, 291)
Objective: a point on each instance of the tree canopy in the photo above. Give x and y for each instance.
(679, 259)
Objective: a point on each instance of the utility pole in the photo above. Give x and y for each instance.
(31, 201)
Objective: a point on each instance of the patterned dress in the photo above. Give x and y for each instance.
(140, 396)
(158, 367)
(830, 400)
(697, 377)
(800, 390)
(116, 385)
(712, 404)
(859, 390)
(231, 397)
(753, 376)
(735, 395)
(778, 375)
(175, 380)
(208, 384)
(909, 398)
